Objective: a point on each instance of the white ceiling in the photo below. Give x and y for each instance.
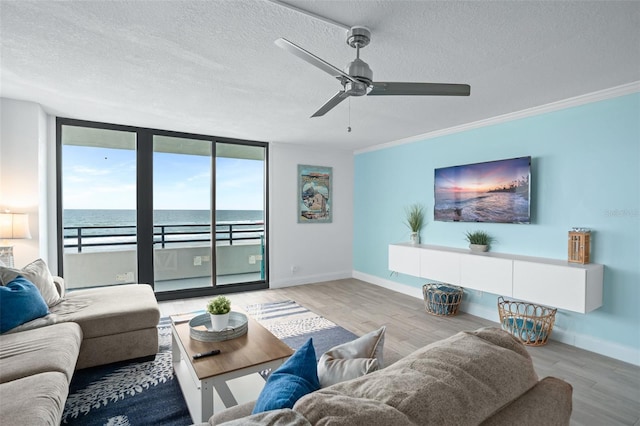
(212, 67)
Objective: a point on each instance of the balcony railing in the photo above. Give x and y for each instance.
(79, 237)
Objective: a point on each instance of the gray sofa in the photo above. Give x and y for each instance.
(484, 377)
(86, 328)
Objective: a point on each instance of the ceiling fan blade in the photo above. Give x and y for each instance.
(328, 106)
(419, 89)
(312, 59)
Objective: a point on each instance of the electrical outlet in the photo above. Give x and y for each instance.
(252, 260)
(197, 261)
(126, 277)
(294, 269)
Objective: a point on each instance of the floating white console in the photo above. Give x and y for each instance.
(556, 283)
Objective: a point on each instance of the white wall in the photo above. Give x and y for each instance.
(318, 251)
(23, 173)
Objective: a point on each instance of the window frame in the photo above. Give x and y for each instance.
(144, 204)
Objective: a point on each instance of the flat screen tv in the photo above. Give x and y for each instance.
(495, 191)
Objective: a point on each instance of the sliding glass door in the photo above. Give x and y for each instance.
(182, 213)
(98, 219)
(240, 213)
(177, 197)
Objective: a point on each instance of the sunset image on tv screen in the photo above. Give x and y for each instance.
(495, 191)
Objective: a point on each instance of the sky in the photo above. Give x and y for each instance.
(481, 177)
(105, 178)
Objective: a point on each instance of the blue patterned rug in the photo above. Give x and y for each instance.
(137, 393)
(129, 393)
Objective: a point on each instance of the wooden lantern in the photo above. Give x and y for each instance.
(579, 246)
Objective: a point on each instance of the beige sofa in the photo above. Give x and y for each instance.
(484, 377)
(35, 372)
(87, 328)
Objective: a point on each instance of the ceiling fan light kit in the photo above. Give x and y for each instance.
(357, 78)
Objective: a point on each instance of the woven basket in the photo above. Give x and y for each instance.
(442, 299)
(529, 323)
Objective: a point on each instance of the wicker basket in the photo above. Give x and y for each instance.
(529, 323)
(442, 299)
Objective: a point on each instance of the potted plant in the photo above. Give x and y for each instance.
(415, 221)
(219, 309)
(479, 241)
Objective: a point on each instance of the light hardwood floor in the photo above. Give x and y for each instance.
(605, 391)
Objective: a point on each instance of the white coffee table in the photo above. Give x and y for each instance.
(256, 351)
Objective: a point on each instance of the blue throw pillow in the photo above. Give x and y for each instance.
(294, 379)
(20, 302)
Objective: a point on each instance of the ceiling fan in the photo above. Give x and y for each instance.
(357, 79)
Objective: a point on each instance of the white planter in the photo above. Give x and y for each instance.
(219, 322)
(415, 238)
(478, 248)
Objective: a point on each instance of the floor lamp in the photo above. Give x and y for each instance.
(13, 226)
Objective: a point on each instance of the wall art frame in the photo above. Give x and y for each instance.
(315, 194)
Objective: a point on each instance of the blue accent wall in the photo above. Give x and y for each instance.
(585, 172)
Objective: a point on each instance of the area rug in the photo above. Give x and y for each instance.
(129, 393)
(294, 324)
(136, 393)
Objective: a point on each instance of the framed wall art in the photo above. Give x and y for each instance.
(315, 202)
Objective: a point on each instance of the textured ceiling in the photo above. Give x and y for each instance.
(212, 67)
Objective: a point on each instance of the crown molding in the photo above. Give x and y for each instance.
(600, 95)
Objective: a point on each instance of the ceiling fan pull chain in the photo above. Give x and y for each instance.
(349, 126)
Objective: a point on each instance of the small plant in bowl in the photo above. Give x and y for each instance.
(219, 309)
(414, 219)
(479, 241)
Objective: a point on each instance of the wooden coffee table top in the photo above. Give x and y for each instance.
(258, 346)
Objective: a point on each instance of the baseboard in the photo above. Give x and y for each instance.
(309, 279)
(591, 344)
(388, 284)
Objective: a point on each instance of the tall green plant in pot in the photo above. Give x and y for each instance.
(414, 219)
(219, 309)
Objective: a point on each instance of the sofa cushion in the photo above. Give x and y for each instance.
(457, 381)
(111, 310)
(337, 409)
(283, 417)
(352, 359)
(38, 273)
(34, 400)
(295, 378)
(547, 403)
(51, 348)
(20, 302)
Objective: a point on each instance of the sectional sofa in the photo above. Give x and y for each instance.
(485, 377)
(82, 328)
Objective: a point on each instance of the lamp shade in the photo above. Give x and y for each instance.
(14, 226)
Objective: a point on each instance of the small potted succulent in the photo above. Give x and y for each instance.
(479, 241)
(414, 219)
(219, 309)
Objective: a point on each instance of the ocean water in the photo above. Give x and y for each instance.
(85, 217)
(117, 227)
(500, 207)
